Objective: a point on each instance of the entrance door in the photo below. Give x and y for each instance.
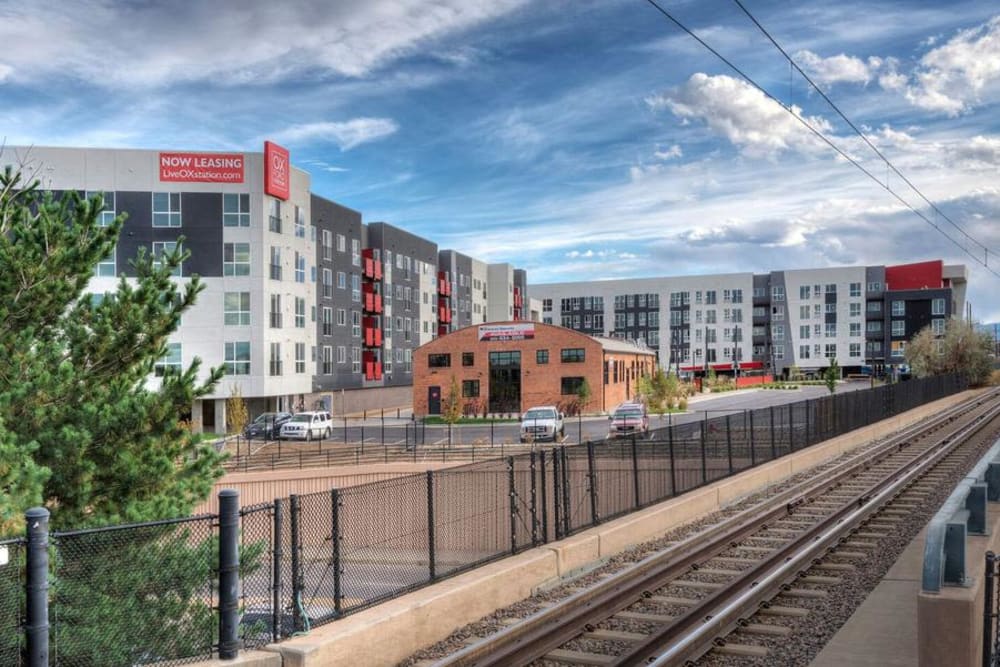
(505, 382)
(433, 400)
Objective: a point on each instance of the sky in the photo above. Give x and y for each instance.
(579, 140)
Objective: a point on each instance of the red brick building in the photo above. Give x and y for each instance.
(508, 367)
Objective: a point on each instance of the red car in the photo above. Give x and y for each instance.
(628, 418)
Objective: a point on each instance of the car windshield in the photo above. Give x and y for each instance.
(628, 412)
(266, 417)
(301, 418)
(540, 414)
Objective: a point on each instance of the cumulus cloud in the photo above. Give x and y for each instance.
(742, 114)
(5, 72)
(669, 154)
(979, 152)
(346, 135)
(835, 69)
(158, 44)
(952, 77)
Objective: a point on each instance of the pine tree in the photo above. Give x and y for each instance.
(80, 430)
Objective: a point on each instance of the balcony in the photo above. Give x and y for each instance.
(444, 314)
(444, 287)
(371, 268)
(372, 333)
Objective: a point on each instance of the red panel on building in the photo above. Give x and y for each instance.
(915, 276)
(277, 171)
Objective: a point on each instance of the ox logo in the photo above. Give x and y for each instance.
(276, 170)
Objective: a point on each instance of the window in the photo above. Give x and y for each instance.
(777, 314)
(438, 360)
(327, 321)
(855, 309)
(275, 311)
(328, 359)
(237, 358)
(166, 209)
(300, 312)
(899, 348)
(831, 307)
(274, 366)
(541, 356)
(898, 328)
(855, 289)
(327, 244)
(275, 266)
(737, 296)
(327, 284)
(342, 318)
(162, 248)
(235, 210)
(937, 326)
(899, 308)
(356, 323)
(803, 312)
(237, 308)
(779, 351)
(777, 332)
(300, 222)
(107, 215)
(831, 330)
(107, 267)
(300, 268)
(875, 287)
(937, 306)
(874, 306)
(803, 351)
(855, 329)
(831, 351)
(468, 359)
(470, 388)
(355, 252)
(804, 331)
(341, 354)
(874, 347)
(803, 291)
(355, 287)
(355, 359)
(710, 297)
(778, 293)
(570, 386)
(170, 362)
(874, 326)
(341, 243)
(854, 350)
(300, 357)
(274, 216)
(817, 309)
(831, 288)
(572, 355)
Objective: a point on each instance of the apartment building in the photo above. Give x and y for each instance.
(860, 316)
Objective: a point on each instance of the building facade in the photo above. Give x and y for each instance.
(731, 323)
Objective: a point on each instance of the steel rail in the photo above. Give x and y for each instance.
(550, 628)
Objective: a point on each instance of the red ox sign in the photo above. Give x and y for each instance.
(201, 167)
(277, 181)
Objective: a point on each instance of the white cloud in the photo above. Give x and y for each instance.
(5, 72)
(979, 151)
(346, 135)
(741, 113)
(952, 77)
(227, 42)
(835, 69)
(669, 154)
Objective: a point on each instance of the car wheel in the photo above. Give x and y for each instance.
(328, 432)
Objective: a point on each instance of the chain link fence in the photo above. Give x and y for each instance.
(12, 562)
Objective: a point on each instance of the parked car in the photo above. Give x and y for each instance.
(542, 423)
(307, 425)
(628, 418)
(266, 426)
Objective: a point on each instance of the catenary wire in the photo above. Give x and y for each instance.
(819, 134)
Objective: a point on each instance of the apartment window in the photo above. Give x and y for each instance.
(275, 266)
(804, 291)
(355, 288)
(541, 356)
(831, 307)
(468, 359)
(874, 347)
(355, 359)
(300, 313)
(875, 287)
(709, 335)
(855, 329)
(275, 311)
(899, 308)
(804, 331)
(572, 355)
(327, 284)
(831, 351)
(312, 316)
(328, 359)
(235, 210)
(874, 306)
(161, 249)
(831, 288)
(817, 309)
(237, 358)
(470, 388)
(342, 318)
(854, 350)
(777, 332)
(274, 216)
(166, 209)
(874, 326)
(855, 309)
(356, 323)
(779, 351)
(855, 289)
(237, 308)
(341, 354)
(300, 222)
(355, 252)
(328, 244)
(803, 351)
(777, 313)
(274, 365)
(759, 292)
(170, 362)
(326, 323)
(898, 328)
(804, 312)
(300, 268)
(107, 214)
(737, 296)
(899, 348)
(937, 306)
(300, 357)
(937, 326)
(831, 330)
(778, 293)
(107, 268)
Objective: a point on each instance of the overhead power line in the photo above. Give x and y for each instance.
(829, 142)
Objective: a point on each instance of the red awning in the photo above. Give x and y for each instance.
(751, 365)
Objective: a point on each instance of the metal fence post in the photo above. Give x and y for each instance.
(557, 493)
(229, 573)
(335, 545)
(809, 439)
(534, 501)
(592, 475)
(37, 587)
(430, 525)
(774, 448)
(279, 528)
(988, 612)
(753, 445)
(673, 461)
(512, 498)
(635, 474)
(293, 502)
(704, 445)
(729, 444)
(791, 432)
(545, 497)
(567, 508)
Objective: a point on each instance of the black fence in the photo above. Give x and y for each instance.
(177, 591)
(991, 611)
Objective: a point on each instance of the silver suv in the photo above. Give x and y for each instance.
(307, 425)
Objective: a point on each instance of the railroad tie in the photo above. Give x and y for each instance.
(766, 629)
(745, 650)
(690, 583)
(672, 600)
(580, 658)
(614, 635)
(645, 618)
(808, 593)
(781, 610)
(818, 579)
(834, 567)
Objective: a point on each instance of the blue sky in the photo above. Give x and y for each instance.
(580, 140)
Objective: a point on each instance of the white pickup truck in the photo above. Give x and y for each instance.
(542, 423)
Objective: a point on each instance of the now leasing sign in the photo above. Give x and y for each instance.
(501, 332)
(277, 170)
(201, 167)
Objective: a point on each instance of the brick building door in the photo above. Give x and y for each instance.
(505, 382)
(433, 400)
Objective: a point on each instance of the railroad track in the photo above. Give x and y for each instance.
(747, 576)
